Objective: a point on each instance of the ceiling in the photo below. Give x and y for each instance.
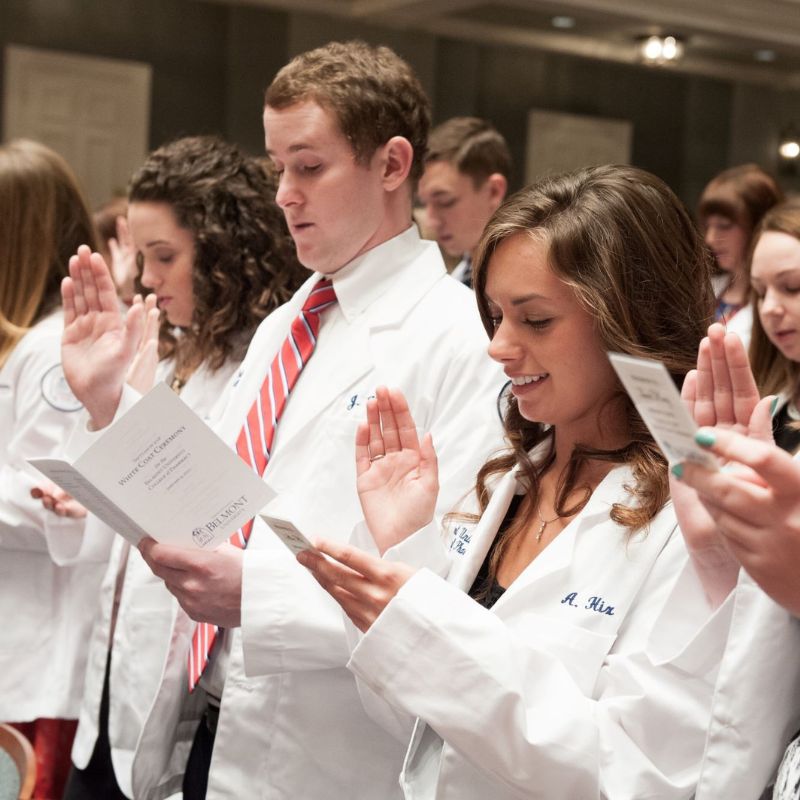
(721, 36)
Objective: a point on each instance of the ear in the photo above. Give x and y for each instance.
(395, 162)
(497, 186)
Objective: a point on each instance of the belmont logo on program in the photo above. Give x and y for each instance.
(203, 534)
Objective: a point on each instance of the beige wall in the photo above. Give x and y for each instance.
(212, 62)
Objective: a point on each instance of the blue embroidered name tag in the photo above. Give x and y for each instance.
(594, 603)
(358, 399)
(461, 539)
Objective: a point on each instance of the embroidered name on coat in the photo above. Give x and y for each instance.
(461, 538)
(358, 400)
(594, 603)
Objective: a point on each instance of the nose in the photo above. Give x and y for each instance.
(770, 304)
(504, 346)
(287, 194)
(433, 216)
(710, 236)
(149, 279)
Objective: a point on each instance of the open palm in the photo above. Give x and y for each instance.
(98, 343)
(397, 475)
(721, 392)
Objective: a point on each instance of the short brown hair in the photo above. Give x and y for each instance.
(472, 145)
(43, 219)
(245, 264)
(741, 194)
(371, 91)
(773, 371)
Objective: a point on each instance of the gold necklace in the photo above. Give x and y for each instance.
(545, 523)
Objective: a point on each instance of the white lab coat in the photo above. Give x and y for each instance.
(145, 617)
(291, 724)
(550, 694)
(756, 707)
(46, 609)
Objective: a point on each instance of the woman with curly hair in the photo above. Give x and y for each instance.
(213, 248)
(552, 662)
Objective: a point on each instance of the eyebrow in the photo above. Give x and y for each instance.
(518, 301)
(782, 274)
(155, 242)
(294, 148)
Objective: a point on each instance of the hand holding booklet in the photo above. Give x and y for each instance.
(160, 471)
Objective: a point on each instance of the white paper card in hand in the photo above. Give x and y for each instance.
(288, 533)
(160, 471)
(659, 404)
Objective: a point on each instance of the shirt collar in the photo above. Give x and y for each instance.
(361, 282)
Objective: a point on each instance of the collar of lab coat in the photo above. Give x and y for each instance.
(384, 283)
(558, 554)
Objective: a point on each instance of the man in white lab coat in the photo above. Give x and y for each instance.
(280, 715)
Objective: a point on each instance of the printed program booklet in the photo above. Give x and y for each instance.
(160, 471)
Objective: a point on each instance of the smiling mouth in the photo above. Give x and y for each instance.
(524, 380)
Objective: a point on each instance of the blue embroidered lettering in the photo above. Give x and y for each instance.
(461, 538)
(596, 604)
(352, 402)
(572, 596)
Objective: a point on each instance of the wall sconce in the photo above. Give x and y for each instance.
(660, 49)
(789, 150)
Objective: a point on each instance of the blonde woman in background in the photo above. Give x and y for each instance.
(43, 218)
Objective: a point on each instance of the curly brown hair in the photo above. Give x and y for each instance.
(371, 91)
(245, 263)
(625, 244)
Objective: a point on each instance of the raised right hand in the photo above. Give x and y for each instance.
(98, 343)
(721, 392)
(398, 477)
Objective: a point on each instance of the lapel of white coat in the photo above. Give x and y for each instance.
(466, 567)
(353, 359)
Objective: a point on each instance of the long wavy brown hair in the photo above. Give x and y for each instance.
(631, 253)
(43, 219)
(245, 263)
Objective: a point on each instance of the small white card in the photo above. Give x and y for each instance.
(659, 404)
(288, 533)
(160, 471)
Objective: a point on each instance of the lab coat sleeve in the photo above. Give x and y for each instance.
(424, 548)
(39, 429)
(630, 727)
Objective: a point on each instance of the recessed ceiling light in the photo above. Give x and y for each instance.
(660, 49)
(765, 55)
(563, 22)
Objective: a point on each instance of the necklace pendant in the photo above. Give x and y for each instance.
(540, 531)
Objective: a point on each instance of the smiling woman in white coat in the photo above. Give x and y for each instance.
(560, 651)
(213, 248)
(43, 218)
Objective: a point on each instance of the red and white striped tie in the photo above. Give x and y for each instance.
(254, 444)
